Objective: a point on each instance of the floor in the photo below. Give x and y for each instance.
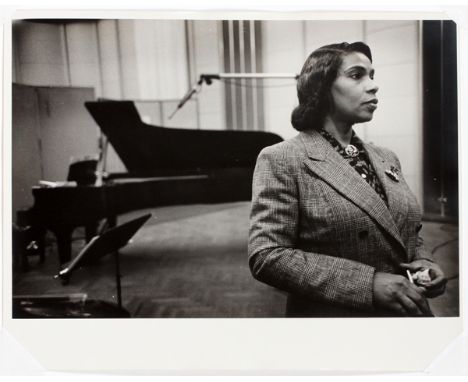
(204, 272)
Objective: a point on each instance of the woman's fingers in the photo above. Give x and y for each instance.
(407, 266)
(437, 277)
(436, 289)
(436, 286)
(436, 283)
(413, 267)
(410, 307)
(418, 298)
(410, 300)
(417, 265)
(396, 293)
(398, 308)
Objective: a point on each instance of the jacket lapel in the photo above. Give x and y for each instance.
(396, 195)
(329, 165)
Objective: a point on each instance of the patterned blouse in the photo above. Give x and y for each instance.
(361, 163)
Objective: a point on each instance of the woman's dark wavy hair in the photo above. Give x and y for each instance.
(315, 80)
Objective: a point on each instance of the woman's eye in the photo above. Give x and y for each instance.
(356, 76)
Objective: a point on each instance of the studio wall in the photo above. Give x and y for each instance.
(162, 59)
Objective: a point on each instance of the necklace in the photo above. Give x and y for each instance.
(351, 151)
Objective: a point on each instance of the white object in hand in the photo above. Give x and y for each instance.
(422, 277)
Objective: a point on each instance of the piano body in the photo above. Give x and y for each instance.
(166, 166)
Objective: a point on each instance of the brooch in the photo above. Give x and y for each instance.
(351, 151)
(393, 173)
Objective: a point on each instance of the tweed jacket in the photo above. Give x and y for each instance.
(320, 232)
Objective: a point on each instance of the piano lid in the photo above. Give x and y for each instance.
(145, 148)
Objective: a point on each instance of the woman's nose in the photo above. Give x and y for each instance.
(372, 87)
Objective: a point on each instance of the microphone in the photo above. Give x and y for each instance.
(208, 78)
(185, 99)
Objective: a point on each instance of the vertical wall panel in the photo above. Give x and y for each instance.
(15, 65)
(161, 58)
(242, 50)
(49, 126)
(397, 122)
(147, 62)
(207, 35)
(319, 33)
(26, 153)
(109, 59)
(228, 99)
(251, 91)
(40, 53)
(111, 82)
(172, 71)
(440, 149)
(128, 59)
(237, 87)
(67, 131)
(83, 55)
(282, 43)
(393, 42)
(256, 51)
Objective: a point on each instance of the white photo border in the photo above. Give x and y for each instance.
(239, 346)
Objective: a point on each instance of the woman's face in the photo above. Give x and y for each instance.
(354, 89)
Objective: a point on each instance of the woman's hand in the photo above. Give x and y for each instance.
(436, 286)
(396, 293)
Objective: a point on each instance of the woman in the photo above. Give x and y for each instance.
(333, 221)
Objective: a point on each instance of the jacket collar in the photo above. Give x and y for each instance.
(328, 164)
(316, 146)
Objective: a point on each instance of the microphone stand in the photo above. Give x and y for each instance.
(208, 78)
(195, 88)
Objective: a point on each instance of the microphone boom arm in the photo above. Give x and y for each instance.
(208, 78)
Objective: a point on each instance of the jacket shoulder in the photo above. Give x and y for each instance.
(288, 148)
(284, 155)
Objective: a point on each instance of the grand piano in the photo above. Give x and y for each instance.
(166, 166)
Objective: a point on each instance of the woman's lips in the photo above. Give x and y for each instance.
(372, 104)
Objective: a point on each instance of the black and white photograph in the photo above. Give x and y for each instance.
(233, 170)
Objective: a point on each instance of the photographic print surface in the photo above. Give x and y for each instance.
(115, 119)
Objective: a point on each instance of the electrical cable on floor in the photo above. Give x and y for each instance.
(437, 247)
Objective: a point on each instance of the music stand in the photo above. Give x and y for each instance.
(109, 242)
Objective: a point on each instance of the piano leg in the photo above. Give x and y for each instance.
(63, 235)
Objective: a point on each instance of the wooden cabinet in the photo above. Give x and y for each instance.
(50, 127)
